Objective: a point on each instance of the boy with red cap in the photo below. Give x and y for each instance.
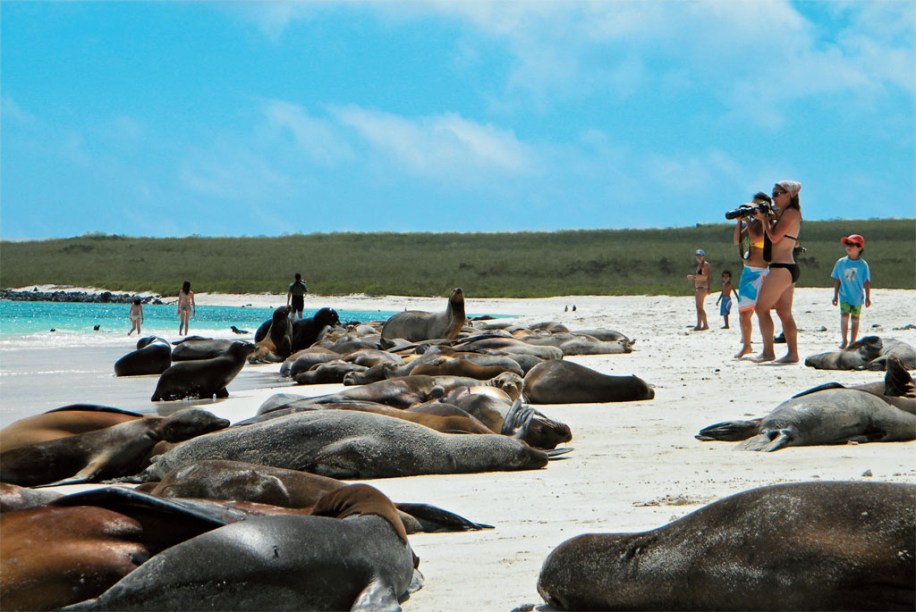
(851, 279)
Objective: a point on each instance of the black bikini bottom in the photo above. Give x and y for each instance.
(792, 268)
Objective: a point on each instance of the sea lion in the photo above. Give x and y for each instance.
(352, 445)
(236, 480)
(831, 416)
(564, 382)
(799, 546)
(119, 450)
(576, 343)
(441, 359)
(406, 391)
(308, 331)
(202, 378)
(897, 388)
(75, 548)
(501, 345)
(868, 353)
(13, 497)
(357, 558)
(277, 344)
(518, 420)
(303, 360)
(152, 356)
(415, 325)
(194, 348)
(62, 422)
(328, 372)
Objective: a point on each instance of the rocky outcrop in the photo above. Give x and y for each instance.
(98, 297)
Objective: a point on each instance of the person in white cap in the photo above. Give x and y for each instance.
(700, 280)
(778, 288)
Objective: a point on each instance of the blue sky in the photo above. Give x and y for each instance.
(261, 118)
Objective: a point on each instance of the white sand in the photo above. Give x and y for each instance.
(635, 465)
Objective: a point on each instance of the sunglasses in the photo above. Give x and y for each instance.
(778, 193)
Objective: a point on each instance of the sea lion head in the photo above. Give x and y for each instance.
(357, 499)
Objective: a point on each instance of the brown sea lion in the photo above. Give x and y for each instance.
(277, 344)
(799, 546)
(415, 325)
(565, 382)
(868, 353)
(62, 422)
(119, 450)
(14, 497)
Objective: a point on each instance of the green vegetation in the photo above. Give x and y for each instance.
(523, 264)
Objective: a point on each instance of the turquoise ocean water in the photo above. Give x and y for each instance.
(22, 323)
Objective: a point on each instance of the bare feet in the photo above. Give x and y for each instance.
(762, 358)
(843, 345)
(787, 359)
(745, 350)
(724, 327)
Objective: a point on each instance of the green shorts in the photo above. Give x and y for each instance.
(849, 309)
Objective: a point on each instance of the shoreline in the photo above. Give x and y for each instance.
(634, 466)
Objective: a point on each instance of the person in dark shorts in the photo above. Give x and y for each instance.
(295, 298)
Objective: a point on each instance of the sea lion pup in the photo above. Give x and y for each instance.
(119, 450)
(277, 344)
(152, 356)
(357, 558)
(304, 360)
(868, 353)
(415, 325)
(202, 378)
(799, 546)
(565, 382)
(352, 445)
(309, 330)
(62, 422)
(278, 487)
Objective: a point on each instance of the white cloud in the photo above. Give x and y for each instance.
(445, 147)
(10, 110)
(318, 137)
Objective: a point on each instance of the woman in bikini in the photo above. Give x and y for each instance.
(701, 288)
(778, 287)
(186, 307)
(749, 234)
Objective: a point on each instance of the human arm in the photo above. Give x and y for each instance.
(867, 287)
(193, 306)
(788, 218)
(740, 231)
(836, 291)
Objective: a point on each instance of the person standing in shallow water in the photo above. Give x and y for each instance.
(700, 280)
(778, 288)
(186, 307)
(295, 297)
(136, 317)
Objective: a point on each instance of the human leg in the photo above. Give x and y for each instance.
(854, 331)
(701, 311)
(789, 329)
(774, 285)
(744, 322)
(844, 326)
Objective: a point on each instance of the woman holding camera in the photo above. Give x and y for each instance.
(777, 291)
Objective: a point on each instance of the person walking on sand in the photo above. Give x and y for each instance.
(778, 288)
(295, 297)
(851, 281)
(749, 234)
(700, 280)
(186, 307)
(136, 316)
(725, 298)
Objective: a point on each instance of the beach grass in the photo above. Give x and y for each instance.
(517, 264)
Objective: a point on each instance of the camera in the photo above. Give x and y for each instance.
(750, 209)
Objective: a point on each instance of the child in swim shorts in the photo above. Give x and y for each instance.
(725, 298)
(851, 283)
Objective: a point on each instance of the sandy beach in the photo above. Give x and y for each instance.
(634, 466)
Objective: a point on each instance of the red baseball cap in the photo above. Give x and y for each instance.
(855, 239)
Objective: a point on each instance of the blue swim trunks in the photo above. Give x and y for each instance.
(749, 287)
(725, 306)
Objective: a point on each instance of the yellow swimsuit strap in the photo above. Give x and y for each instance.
(758, 245)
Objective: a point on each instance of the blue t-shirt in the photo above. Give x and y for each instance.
(852, 274)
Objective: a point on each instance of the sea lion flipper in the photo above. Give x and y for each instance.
(222, 393)
(376, 596)
(767, 442)
(87, 474)
(433, 519)
(897, 381)
(824, 387)
(728, 431)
